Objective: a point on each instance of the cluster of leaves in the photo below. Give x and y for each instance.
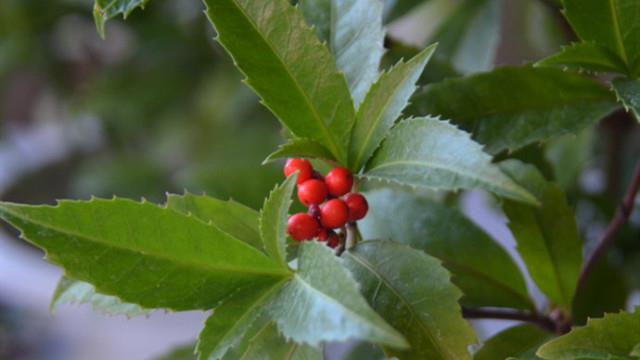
(404, 294)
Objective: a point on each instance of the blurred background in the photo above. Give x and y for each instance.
(158, 107)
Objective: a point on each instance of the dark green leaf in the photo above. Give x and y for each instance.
(412, 291)
(144, 254)
(273, 220)
(446, 234)
(432, 153)
(584, 56)
(365, 351)
(104, 10)
(509, 108)
(469, 38)
(300, 148)
(230, 216)
(628, 93)
(288, 67)
(70, 291)
(321, 303)
(394, 9)
(353, 30)
(547, 236)
(614, 335)
(230, 321)
(612, 24)
(383, 105)
(519, 342)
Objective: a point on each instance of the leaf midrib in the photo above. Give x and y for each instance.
(308, 102)
(198, 266)
(409, 306)
(617, 32)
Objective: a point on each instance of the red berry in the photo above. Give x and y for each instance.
(334, 214)
(357, 205)
(302, 226)
(330, 237)
(302, 166)
(339, 181)
(312, 192)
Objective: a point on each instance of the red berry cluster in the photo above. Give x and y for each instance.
(330, 202)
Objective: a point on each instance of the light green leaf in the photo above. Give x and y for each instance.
(509, 108)
(300, 148)
(518, 342)
(70, 291)
(263, 342)
(285, 63)
(230, 216)
(446, 234)
(104, 10)
(432, 153)
(547, 236)
(321, 303)
(584, 56)
(469, 38)
(383, 105)
(144, 254)
(412, 291)
(230, 321)
(608, 23)
(184, 352)
(613, 335)
(273, 219)
(628, 93)
(353, 31)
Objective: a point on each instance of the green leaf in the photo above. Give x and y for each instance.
(394, 9)
(285, 63)
(273, 219)
(365, 351)
(432, 153)
(611, 24)
(184, 352)
(584, 56)
(412, 291)
(262, 341)
(519, 342)
(469, 37)
(144, 254)
(446, 234)
(70, 291)
(230, 216)
(300, 148)
(613, 335)
(547, 236)
(321, 303)
(104, 10)
(628, 93)
(383, 105)
(230, 321)
(353, 30)
(509, 108)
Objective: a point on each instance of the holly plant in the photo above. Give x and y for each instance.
(380, 255)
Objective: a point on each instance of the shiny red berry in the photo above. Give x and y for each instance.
(312, 192)
(334, 214)
(302, 166)
(339, 181)
(357, 205)
(302, 226)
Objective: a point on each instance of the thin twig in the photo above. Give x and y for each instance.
(622, 215)
(530, 317)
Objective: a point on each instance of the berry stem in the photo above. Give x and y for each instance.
(353, 235)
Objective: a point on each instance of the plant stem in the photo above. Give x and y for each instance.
(622, 215)
(543, 321)
(353, 235)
